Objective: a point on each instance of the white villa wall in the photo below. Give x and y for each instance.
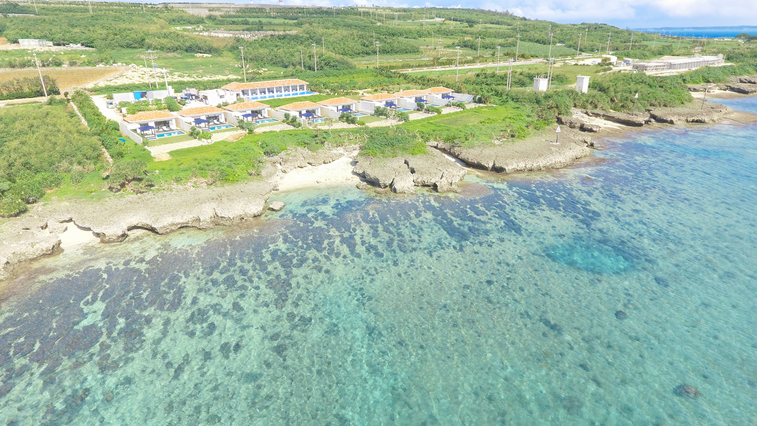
(279, 115)
(231, 118)
(366, 107)
(407, 103)
(437, 100)
(330, 113)
(128, 133)
(582, 84)
(183, 125)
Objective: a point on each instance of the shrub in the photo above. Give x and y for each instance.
(383, 142)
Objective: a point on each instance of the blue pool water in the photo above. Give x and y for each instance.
(267, 120)
(499, 305)
(359, 114)
(403, 110)
(220, 127)
(167, 134)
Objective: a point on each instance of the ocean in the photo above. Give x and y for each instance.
(699, 32)
(584, 296)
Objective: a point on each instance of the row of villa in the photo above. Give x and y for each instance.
(212, 116)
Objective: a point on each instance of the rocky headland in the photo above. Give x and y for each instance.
(745, 85)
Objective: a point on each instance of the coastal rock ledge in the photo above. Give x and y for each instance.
(403, 174)
(37, 233)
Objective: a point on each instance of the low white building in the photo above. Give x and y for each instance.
(582, 83)
(541, 84)
(386, 100)
(248, 111)
(142, 95)
(257, 90)
(215, 97)
(152, 124)
(205, 117)
(690, 63)
(34, 43)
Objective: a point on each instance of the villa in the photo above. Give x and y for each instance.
(248, 111)
(258, 90)
(673, 64)
(386, 100)
(153, 124)
(439, 95)
(414, 96)
(207, 117)
(339, 105)
(310, 111)
(141, 95)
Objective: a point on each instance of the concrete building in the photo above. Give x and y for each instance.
(215, 97)
(153, 124)
(247, 111)
(541, 84)
(582, 83)
(206, 117)
(677, 64)
(258, 90)
(34, 43)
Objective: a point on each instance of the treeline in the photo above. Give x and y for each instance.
(41, 147)
(107, 31)
(28, 87)
(127, 170)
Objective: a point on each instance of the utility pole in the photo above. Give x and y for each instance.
(578, 50)
(36, 62)
(36, 12)
(631, 47)
(244, 69)
(510, 75)
(479, 49)
(498, 47)
(315, 58)
(90, 8)
(323, 42)
(377, 54)
(457, 66)
(609, 35)
(165, 78)
(517, 46)
(302, 60)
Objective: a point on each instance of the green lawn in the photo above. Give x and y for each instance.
(370, 119)
(169, 140)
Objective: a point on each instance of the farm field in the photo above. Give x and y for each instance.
(65, 77)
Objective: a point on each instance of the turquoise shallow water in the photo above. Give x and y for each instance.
(494, 306)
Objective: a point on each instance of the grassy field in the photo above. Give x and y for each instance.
(65, 77)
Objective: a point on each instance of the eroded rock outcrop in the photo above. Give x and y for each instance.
(628, 119)
(403, 174)
(711, 113)
(297, 157)
(532, 154)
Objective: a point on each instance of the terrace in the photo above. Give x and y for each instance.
(310, 111)
(249, 111)
(208, 117)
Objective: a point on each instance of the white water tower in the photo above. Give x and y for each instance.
(582, 83)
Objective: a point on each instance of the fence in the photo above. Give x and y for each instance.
(366, 107)
(407, 104)
(231, 118)
(330, 113)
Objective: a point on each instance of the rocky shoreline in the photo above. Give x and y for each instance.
(38, 233)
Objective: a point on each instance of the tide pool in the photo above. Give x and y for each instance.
(585, 296)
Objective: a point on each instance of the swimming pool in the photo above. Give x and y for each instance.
(359, 114)
(403, 110)
(221, 126)
(167, 134)
(267, 120)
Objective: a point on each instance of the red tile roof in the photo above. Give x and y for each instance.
(380, 97)
(242, 106)
(337, 101)
(438, 90)
(297, 106)
(148, 116)
(200, 111)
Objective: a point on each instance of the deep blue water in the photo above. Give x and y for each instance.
(580, 297)
(709, 32)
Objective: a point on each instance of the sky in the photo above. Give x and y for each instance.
(621, 13)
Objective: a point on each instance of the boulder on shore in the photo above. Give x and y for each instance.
(277, 206)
